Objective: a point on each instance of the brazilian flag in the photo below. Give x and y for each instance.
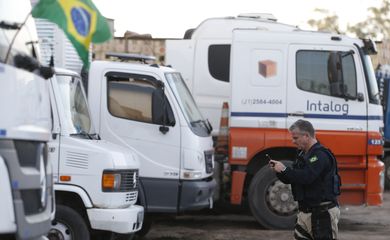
(79, 19)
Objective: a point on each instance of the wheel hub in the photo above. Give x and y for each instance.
(280, 200)
(59, 231)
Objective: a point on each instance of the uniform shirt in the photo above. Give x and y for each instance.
(307, 177)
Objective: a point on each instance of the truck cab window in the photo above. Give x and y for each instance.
(74, 105)
(132, 98)
(219, 61)
(312, 73)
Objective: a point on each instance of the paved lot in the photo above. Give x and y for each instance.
(357, 223)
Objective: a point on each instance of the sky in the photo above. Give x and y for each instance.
(171, 18)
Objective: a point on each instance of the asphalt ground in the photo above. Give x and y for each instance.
(356, 223)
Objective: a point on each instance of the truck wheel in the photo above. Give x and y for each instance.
(386, 161)
(271, 201)
(68, 225)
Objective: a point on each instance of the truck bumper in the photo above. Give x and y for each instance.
(126, 220)
(197, 195)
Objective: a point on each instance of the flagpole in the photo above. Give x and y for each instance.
(16, 34)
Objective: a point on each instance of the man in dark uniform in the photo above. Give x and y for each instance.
(315, 185)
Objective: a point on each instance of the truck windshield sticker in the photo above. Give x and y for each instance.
(327, 107)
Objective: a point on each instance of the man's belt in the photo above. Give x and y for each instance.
(322, 206)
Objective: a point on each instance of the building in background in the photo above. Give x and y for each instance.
(132, 43)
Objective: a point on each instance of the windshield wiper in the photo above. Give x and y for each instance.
(209, 127)
(205, 123)
(95, 136)
(83, 133)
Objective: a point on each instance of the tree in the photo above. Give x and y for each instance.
(376, 26)
(328, 23)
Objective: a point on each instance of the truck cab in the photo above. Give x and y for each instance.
(26, 188)
(273, 74)
(95, 181)
(148, 108)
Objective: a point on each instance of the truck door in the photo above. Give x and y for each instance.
(141, 117)
(339, 119)
(258, 79)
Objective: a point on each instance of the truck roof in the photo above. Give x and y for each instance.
(222, 27)
(131, 65)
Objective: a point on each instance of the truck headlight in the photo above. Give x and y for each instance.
(111, 181)
(187, 174)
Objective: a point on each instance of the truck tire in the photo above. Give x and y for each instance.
(68, 225)
(386, 161)
(271, 201)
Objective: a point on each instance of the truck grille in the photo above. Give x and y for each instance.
(209, 158)
(131, 196)
(129, 180)
(31, 182)
(29, 152)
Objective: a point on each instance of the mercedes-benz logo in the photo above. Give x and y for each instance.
(42, 179)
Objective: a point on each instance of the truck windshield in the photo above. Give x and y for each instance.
(75, 106)
(187, 104)
(372, 86)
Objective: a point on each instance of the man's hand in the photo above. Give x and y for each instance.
(277, 166)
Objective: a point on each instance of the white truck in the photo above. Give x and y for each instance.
(177, 164)
(148, 108)
(26, 187)
(95, 181)
(273, 74)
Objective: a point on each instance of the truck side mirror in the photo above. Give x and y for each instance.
(360, 97)
(335, 74)
(46, 72)
(161, 111)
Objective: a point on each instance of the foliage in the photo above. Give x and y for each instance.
(376, 25)
(326, 24)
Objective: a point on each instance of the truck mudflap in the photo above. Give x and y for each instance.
(125, 220)
(197, 195)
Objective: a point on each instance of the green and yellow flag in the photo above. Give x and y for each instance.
(79, 19)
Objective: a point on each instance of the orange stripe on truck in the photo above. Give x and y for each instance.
(356, 152)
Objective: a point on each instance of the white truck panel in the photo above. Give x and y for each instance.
(28, 117)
